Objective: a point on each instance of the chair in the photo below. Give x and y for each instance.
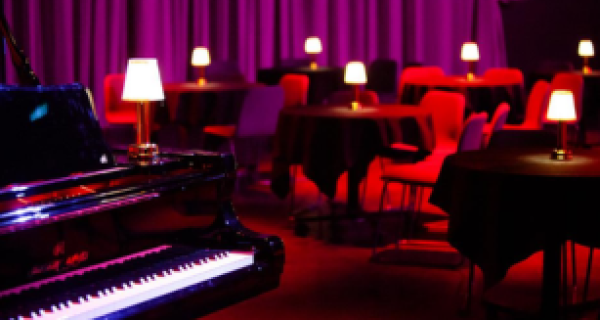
(295, 89)
(366, 97)
(505, 74)
(117, 111)
(424, 174)
(224, 71)
(496, 124)
(258, 116)
(415, 72)
(382, 76)
(536, 103)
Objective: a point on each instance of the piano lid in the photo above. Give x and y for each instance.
(48, 132)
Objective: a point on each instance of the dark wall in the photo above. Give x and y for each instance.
(538, 30)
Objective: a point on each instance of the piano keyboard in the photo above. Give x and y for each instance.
(156, 281)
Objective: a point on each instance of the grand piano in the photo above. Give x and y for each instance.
(85, 233)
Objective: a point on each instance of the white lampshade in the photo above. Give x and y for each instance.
(469, 52)
(586, 48)
(562, 106)
(355, 73)
(313, 45)
(142, 81)
(200, 57)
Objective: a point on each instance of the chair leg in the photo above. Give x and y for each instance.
(588, 274)
(466, 308)
(574, 274)
(377, 219)
(405, 221)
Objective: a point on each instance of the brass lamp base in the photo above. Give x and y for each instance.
(143, 154)
(313, 65)
(561, 154)
(587, 70)
(355, 105)
(470, 76)
(201, 81)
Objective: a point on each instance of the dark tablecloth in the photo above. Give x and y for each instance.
(322, 82)
(328, 140)
(480, 94)
(504, 203)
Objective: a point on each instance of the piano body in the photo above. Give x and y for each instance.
(86, 234)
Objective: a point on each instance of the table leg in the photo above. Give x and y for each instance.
(551, 280)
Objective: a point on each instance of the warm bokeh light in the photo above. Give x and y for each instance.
(562, 106)
(469, 52)
(313, 45)
(355, 73)
(586, 48)
(200, 57)
(142, 81)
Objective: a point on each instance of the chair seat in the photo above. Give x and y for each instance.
(227, 131)
(424, 173)
(121, 117)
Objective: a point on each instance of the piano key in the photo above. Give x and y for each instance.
(106, 304)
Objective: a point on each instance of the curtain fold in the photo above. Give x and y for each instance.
(83, 40)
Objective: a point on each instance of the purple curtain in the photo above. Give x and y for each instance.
(83, 40)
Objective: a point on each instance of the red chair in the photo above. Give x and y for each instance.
(295, 88)
(496, 124)
(117, 111)
(417, 73)
(504, 74)
(534, 110)
(366, 97)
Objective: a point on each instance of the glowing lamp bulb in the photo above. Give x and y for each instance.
(142, 81)
(200, 57)
(355, 73)
(586, 48)
(313, 45)
(469, 52)
(562, 106)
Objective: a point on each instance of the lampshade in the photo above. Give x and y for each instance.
(586, 48)
(200, 57)
(562, 106)
(355, 73)
(313, 45)
(469, 52)
(142, 81)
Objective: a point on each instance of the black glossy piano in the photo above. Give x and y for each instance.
(86, 234)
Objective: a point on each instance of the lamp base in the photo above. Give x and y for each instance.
(470, 76)
(587, 70)
(355, 105)
(561, 154)
(313, 65)
(142, 154)
(201, 81)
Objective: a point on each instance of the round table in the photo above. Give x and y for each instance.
(506, 204)
(329, 140)
(322, 81)
(481, 94)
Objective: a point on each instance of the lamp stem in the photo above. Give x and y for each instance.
(202, 79)
(355, 105)
(143, 122)
(313, 61)
(562, 151)
(471, 73)
(586, 67)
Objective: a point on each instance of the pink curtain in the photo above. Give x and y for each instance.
(83, 40)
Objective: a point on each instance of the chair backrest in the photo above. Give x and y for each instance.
(224, 71)
(507, 74)
(568, 81)
(498, 120)
(115, 109)
(260, 111)
(448, 111)
(382, 75)
(416, 72)
(472, 133)
(295, 88)
(366, 97)
(537, 100)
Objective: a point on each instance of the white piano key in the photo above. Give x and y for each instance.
(106, 304)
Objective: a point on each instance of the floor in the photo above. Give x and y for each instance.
(324, 279)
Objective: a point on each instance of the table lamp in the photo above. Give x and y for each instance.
(470, 54)
(355, 75)
(313, 46)
(200, 59)
(562, 109)
(142, 84)
(586, 50)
